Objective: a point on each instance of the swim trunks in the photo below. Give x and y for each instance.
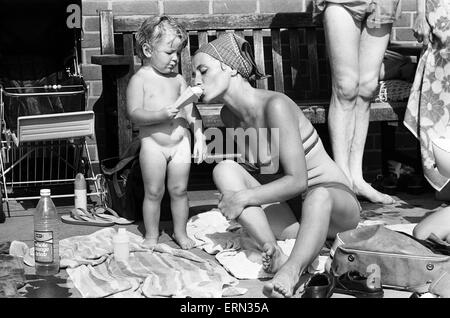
(375, 11)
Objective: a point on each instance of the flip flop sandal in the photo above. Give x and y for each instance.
(82, 217)
(109, 214)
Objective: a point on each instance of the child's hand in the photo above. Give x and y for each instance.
(171, 111)
(199, 150)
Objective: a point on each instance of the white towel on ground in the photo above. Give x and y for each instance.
(233, 248)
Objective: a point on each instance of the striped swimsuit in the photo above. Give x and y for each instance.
(309, 142)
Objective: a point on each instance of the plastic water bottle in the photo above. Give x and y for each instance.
(80, 192)
(46, 243)
(121, 245)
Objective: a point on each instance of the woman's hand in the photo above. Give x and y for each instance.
(200, 150)
(422, 30)
(231, 204)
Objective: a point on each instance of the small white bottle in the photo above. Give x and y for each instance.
(121, 245)
(80, 192)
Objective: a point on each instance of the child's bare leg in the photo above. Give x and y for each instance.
(153, 166)
(177, 180)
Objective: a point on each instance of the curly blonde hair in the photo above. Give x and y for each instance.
(153, 28)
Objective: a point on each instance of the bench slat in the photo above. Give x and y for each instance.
(220, 32)
(313, 63)
(106, 32)
(111, 59)
(186, 63)
(223, 21)
(316, 112)
(124, 125)
(240, 33)
(202, 37)
(128, 44)
(294, 44)
(259, 57)
(277, 61)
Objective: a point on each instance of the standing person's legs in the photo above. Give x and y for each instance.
(177, 180)
(342, 36)
(325, 212)
(153, 169)
(373, 45)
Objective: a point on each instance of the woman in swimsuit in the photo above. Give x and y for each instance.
(223, 69)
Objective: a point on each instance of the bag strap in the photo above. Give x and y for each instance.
(130, 153)
(116, 186)
(119, 166)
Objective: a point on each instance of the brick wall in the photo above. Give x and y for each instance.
(402, 31)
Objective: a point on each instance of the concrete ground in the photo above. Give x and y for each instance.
(408, 209)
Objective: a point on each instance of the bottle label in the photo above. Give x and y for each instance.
(80, 199)
(43, 246)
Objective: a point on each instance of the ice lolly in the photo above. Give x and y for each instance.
(190, 95)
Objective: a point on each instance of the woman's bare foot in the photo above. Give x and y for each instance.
(184, 241)
(272, 257)
(364, 189)
(283, 283)
(149, 242)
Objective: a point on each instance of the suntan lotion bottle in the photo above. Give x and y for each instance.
(80, 192)
(121, 245)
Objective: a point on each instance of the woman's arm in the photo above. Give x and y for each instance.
(421, 7)
(284, 119)
(422, 30)
(192, 115)
(191, 112)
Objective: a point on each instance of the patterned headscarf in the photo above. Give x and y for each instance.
(235, 52)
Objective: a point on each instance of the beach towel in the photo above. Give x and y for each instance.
(165, 271)
(92, 249)
(154, 274)
(427, 114)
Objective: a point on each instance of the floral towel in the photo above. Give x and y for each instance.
(428, 112)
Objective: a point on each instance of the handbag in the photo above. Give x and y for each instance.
(396, 259)
(124, 186)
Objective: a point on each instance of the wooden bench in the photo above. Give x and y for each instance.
(288, 46)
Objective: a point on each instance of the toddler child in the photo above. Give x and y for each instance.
(153, 94)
